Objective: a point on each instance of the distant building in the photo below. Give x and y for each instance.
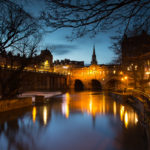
(42, 62)
(65, 66)
(94, 61)
(135, 46)
(136, 58)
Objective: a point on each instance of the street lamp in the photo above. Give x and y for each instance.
(125, 78)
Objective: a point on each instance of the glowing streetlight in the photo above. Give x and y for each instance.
(125, 77)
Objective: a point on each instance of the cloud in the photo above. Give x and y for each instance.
(61, 49)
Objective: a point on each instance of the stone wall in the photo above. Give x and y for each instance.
(6, 105)
(35, 81)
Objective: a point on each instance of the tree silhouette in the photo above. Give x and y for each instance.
(97, 15)
(19, 34)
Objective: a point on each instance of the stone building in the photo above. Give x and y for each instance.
(136, 58)
(66, 66)
(134, 47)
(38, 63)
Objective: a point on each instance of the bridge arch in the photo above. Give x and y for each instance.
(114, 84)
(78, 85)
(96, 85)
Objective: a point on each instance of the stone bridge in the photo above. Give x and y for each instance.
(96, 78)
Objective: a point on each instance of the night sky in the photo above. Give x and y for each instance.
(78, 49)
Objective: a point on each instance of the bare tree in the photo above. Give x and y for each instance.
(19, 35)
(15, 25)
(85, 16)
(116, 48)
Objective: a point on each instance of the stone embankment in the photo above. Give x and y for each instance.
(6, 105)
(127, 98)
(26, 100)
(141, 105)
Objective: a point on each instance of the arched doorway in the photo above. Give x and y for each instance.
(78, 86)
(114, 84)
(96, 85)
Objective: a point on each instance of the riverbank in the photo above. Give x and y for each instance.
(7, 105)
(26, 99)
(141, 107)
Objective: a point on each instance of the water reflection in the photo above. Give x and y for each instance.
(45, 127)
(98, 105)
(128, 117)
(65, 105)
(45, 115)
(34, 114)
(115, 108)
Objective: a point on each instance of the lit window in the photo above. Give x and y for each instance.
(121, 72)
(114, 72)
(128, 68)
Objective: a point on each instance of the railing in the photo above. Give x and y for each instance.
(147, 96)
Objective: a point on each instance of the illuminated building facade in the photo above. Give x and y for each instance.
(136, 57)
(135, 46)
(78, 76)
(93, 76)
(39, 63)
(66, 66)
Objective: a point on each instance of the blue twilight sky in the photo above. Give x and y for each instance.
(79, 49)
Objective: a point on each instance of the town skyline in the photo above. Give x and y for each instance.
(79, 49)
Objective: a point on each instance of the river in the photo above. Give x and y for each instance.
(73, 121)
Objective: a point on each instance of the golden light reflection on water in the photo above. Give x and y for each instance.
(126, 121)
(115, 108)
(34, 114)
(103, 104)
(128, 117)
(65, 105)
(98, 105)
(121, 112)
(45, 115)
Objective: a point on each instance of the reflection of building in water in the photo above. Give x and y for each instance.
(44, 114)
(34, 114)
(65, 105)
(129, 117)
(98, 105)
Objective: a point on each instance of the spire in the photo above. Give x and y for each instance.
(94, 61)
(94, 50)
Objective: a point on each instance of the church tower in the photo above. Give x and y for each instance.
(94, 61)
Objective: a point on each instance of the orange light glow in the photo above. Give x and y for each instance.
(34, 114)
(45, 115)
(136, 118)
(115, 108)
(125, 77)
(103, 106)
(122, 79)
(128, 117)
(121, 72)
(65, 105)
(126, 121)
(121, 112)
